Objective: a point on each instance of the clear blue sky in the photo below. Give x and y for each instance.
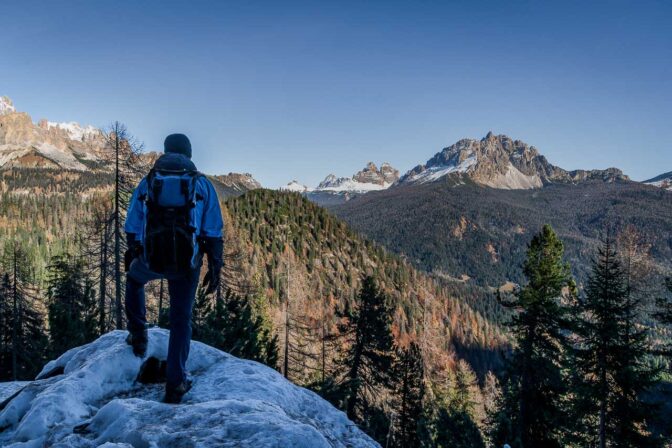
(290, 90)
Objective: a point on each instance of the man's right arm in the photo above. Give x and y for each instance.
(136, 214)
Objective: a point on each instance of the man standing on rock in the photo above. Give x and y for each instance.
(173, 218)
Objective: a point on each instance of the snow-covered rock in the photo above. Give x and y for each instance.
(75, 130)
(89, 397)
(296, 187)
(368, 179)
(6, 105)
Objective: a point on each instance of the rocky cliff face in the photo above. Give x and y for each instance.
(238, 182)
(498, 161)
(386, 175)
(46, 144)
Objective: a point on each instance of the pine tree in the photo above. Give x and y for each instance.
(368, 359)
(611, 359)
(409, 390)
(664, 315)
(73, 318)
(535, 382)
(231, 324)
(451, 414)
(23, 328)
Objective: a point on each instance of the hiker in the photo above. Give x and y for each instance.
(173, 219)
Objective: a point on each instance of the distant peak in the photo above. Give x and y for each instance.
(498, 161)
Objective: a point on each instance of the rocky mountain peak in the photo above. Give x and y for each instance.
(238, 181)
(498, 161)
(386, 175)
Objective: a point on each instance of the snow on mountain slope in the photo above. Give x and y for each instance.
(343, 184)
(89, 397)
(663, 181)
(437, 172)
(371, 178)
(296, 187)
(75, 130)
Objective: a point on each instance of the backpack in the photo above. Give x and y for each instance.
(169, 237)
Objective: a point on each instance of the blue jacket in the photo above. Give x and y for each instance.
(208, 215)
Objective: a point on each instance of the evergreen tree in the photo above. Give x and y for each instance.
(231, 324)
(451, 414)
(409, 390)
(664, 315)
(368, 358)
(73, 318)
(611, 360)
(24, 339)
(532, 413)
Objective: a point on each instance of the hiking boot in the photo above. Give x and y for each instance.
(138, 340)
(174, 394)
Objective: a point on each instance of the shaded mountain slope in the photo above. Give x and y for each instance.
(456, 227)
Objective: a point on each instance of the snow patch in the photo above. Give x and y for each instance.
(295, 186)
(233, 403)
(74, 130)
(436, 172)
(345, 184)
(6, 106)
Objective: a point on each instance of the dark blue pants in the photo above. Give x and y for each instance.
(182, 291)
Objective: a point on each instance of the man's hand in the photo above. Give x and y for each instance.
(212, 279)
(134, 251)
(214, 248)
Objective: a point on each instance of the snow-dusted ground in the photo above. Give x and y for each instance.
(233, 403)
(8, 389)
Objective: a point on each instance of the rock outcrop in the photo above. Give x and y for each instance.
(94, 396)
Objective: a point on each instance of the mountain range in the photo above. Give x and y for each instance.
(55, 147)
(480, 197)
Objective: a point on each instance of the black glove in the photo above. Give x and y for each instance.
(134, 250)
(214, 249)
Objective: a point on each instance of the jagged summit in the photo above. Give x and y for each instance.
(498, 161)
(89, 397)
(296, 187)
(370, 178)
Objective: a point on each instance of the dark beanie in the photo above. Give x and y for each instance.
(177, 143)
